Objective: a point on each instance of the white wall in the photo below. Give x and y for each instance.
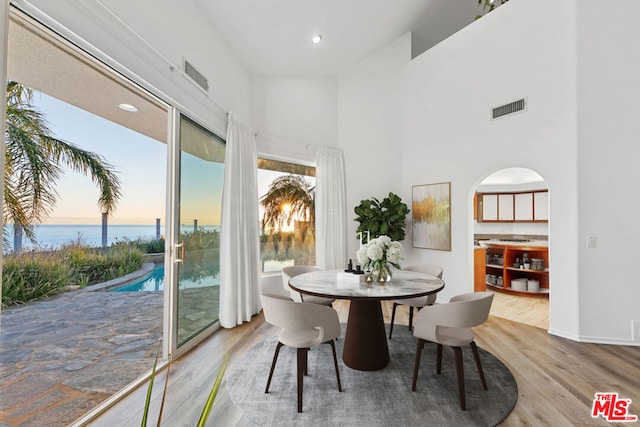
(152, 54)
(292, 116)
(369, 111)
(608, 152)
(447, 134)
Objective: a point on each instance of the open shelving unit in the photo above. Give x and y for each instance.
(506, 269)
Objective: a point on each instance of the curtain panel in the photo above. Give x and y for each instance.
(239, 228)
(331, 209)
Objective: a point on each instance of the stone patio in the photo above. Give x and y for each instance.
(60, 357)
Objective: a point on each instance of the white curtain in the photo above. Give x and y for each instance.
(331, 209)
(239, 233)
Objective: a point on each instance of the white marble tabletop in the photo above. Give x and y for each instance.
(404, 284)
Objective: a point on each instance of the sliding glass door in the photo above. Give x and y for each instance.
(198, 163)
(143, 137)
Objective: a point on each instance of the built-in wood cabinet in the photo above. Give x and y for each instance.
(526, 206)
(541, 206)
(489, 207)
(505, 207)
(523, 206)
(503, 265)
(479, 276)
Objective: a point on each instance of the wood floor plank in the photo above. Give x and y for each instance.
(536, 388)
(556, 377)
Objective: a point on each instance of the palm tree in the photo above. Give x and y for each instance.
(289, 198)
(33, 164)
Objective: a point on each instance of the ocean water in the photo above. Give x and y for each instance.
(51, 236)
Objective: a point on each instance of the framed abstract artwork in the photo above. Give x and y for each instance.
(431, 213)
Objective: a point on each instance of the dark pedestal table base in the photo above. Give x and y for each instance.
(365, 342)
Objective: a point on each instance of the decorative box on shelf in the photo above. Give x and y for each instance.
(519, 285)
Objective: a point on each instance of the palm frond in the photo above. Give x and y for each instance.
(292, 191)
(87, 162)
(30, 174)
(33, 164)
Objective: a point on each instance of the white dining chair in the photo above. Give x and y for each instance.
(449, 324)
(294, 270)
(272, 285)
(431, 270)
(303, 326)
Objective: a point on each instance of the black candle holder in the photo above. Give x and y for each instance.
(349, 267)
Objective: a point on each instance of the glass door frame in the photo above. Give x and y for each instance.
(173, 246)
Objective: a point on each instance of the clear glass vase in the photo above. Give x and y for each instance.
(381, 273)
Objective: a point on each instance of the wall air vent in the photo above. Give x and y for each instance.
(195, 75)
(510, 108)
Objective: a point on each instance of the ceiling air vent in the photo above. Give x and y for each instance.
(195, 75)
(510, 108)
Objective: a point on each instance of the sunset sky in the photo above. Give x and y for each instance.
(140, 161)
(141, 164)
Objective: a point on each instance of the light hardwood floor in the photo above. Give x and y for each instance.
(557, 378)
(530, 310)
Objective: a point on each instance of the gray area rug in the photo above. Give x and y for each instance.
(377, 398)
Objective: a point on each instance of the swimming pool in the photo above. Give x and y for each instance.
(152, 282)
(155, 282)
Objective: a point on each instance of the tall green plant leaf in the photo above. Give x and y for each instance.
(214, 391)
(164, 393)
(145, 414)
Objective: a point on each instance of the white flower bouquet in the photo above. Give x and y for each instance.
(379, 255)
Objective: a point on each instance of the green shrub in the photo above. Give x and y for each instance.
(146, 246)
(28, 277)
(39, 274)
(193, 240)
(95, 265)
(201, 239)
(152, 246)
(203, 252)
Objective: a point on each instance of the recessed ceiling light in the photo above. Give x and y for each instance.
(316, 39)
(128, 107)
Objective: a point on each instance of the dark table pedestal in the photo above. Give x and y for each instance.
(365, 342)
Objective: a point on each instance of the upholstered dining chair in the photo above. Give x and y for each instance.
(432, 270)
(449, 324)
(294, 270)
(273, 286)
(303, 326)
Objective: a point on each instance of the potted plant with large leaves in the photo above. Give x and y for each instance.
(386, 217)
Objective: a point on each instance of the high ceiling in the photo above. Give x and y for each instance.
(274, 37)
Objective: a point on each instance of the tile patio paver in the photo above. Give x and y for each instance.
(60, 357)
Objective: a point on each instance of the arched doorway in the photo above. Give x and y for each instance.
(511, 236)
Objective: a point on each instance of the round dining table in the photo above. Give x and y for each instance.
(365, 341)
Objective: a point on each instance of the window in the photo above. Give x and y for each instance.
(286, 195)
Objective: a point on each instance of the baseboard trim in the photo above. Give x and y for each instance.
(633, 341)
